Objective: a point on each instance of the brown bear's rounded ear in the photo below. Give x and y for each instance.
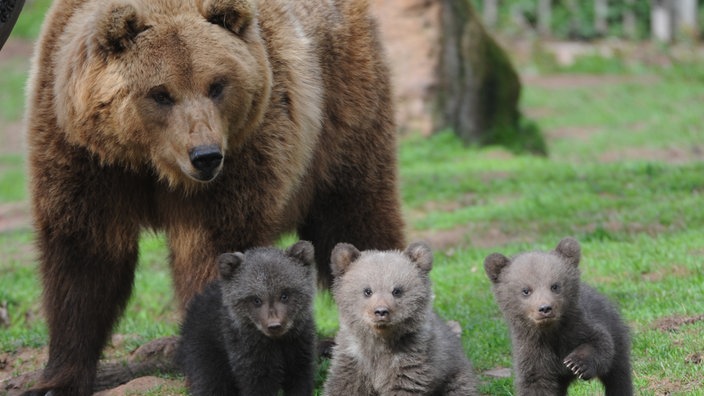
(118, 27)
(228, 263)
(421, 255)
(233, 15)
(570, 250)
(494, 264)
(302, 251)
(341, 257)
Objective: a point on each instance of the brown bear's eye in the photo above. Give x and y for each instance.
(526, 291)
(216, 89)
(161, 96)
(257, 301)
(367, 292)
(396, 292)
(555, 288)
(284, 297)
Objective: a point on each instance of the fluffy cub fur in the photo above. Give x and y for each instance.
(561, 329)
(390, 341)
(252, 332)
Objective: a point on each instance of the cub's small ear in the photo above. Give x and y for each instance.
(118, 27)
(233, 15)
(569, 250)
(228, 263)
(421, 255)
(341, 257)
(302, 251)
(494, 264)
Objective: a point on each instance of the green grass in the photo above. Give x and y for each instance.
(29, 22)
(624, 175)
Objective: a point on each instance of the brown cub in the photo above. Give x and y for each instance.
(390, 341)
(561, 329)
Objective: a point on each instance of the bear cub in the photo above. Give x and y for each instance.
(390, 340)
(252, 331)
(561, 329)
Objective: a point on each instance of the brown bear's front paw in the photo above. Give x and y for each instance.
(580, 366)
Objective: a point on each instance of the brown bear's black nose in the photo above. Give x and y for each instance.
(545, 309)
(381, 312)
(206, 159)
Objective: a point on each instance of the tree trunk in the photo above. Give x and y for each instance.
(478, 88)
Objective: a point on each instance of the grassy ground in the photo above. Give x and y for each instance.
(624, 175)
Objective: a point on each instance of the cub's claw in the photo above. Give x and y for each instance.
(578, 368)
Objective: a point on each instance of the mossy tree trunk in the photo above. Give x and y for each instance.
(479, 88)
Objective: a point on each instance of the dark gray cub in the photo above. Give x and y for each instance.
(561, 329)
(390, 341)
(252, 331)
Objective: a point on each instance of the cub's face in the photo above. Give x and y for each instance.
(268, 288)
(382, 292)
(168, 84)
(539, 288)
(536, 288)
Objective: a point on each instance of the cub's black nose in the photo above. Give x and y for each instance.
(381, 312)
(206, 159)
(545, 309)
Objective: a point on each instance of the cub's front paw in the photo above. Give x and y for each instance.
(580, 364)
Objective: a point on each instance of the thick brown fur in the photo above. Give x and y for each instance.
(390, 341)
(221, 122)
(561, 329)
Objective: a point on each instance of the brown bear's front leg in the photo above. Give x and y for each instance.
(86, 288)
(193, 256)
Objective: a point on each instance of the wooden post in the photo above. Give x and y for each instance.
(491, 13)
(601, 13)
(544, 17)
(661, 20)
(630, 29)
(686, 18)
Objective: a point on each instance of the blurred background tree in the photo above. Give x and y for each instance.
(662, 20)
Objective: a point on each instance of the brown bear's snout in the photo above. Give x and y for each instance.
(207, 161)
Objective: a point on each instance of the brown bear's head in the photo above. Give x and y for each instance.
(166, 84)
(536, 289)
(385, 293)
(268, 288)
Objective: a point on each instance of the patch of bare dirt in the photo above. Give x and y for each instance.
(570, 81)
(23, 360)
(14, 215)
(17, 49)
(142, 385)
(671, 155)
(663, 386)
(675, 270)
(674, 323)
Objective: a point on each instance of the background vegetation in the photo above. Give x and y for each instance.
(624, 175)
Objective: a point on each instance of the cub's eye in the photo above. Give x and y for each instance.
(555, 287)
(367, 292)
(215, 90)
(526, 291)
(284, 297)
(396, 292)
(257, 301)
(161, 96)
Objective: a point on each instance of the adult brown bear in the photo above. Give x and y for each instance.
(221, 122)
